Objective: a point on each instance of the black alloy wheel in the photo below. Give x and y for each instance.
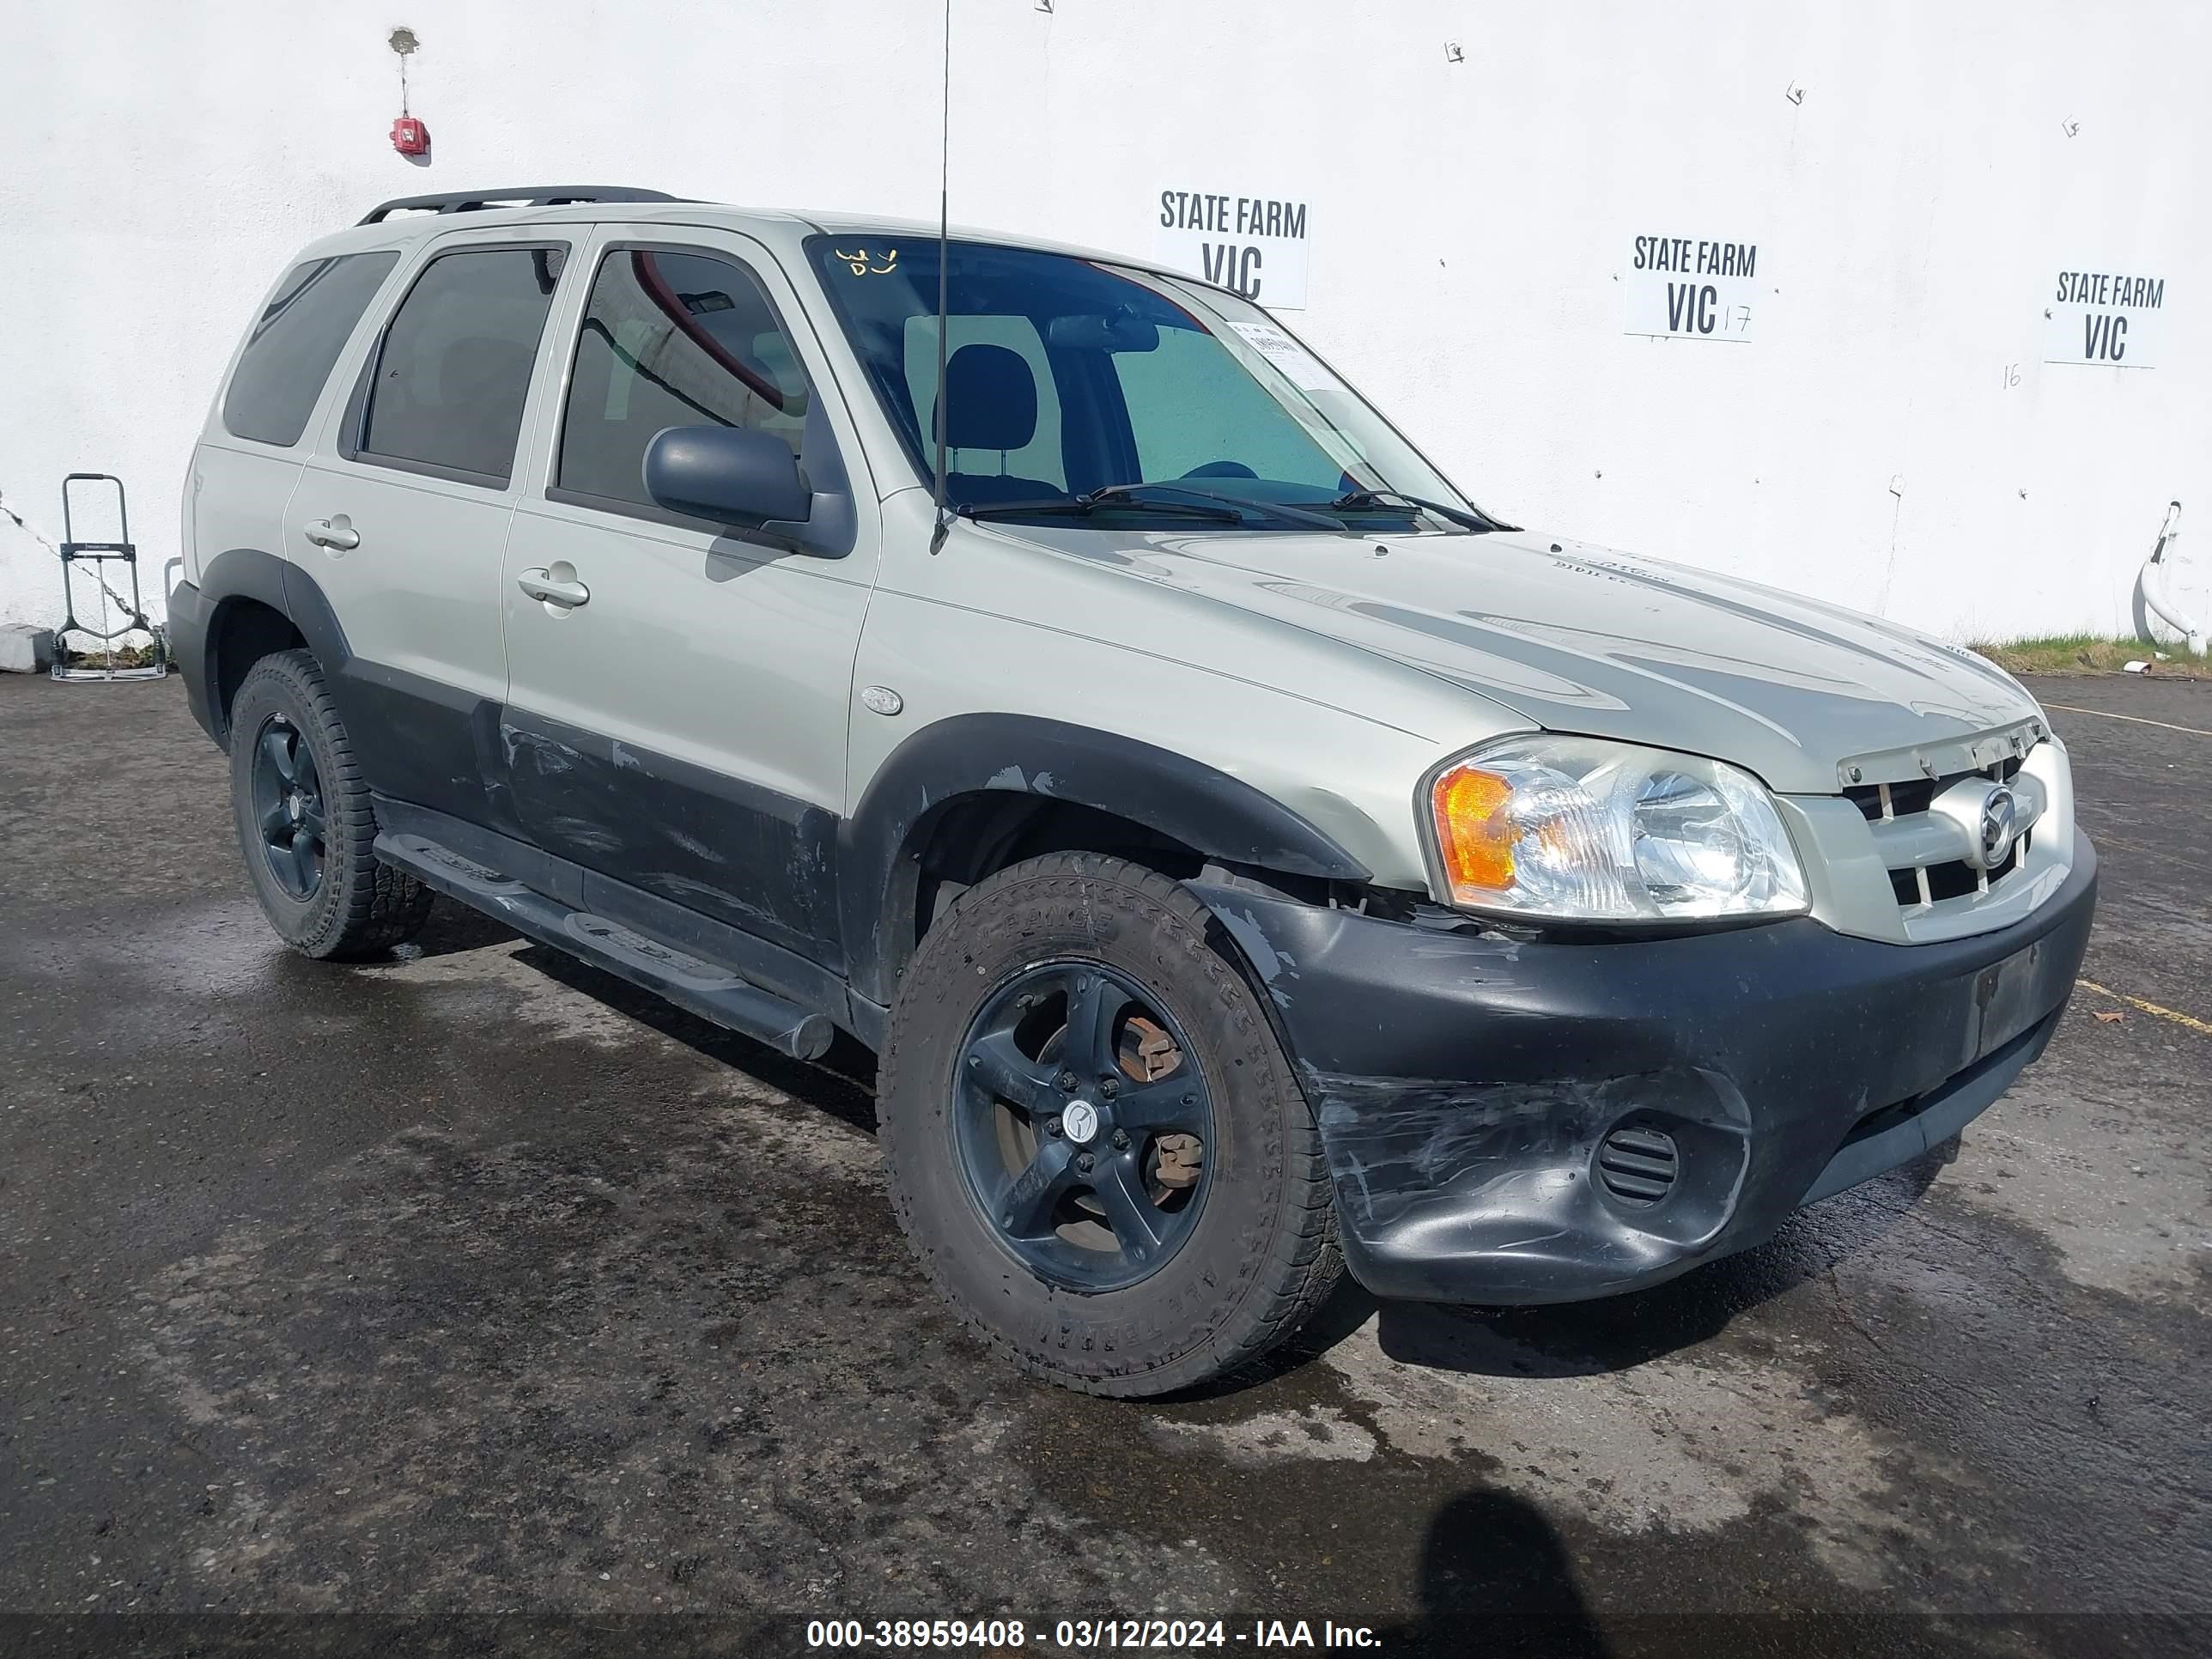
(1095, 1141)
(288, 806)
(306, 821)
(1082, 1124)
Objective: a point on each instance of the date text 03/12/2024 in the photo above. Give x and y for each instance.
(1084, 1635)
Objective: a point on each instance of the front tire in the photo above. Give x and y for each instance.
(1094, 1140)
(305, 821)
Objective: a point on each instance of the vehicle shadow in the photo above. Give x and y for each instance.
(1614, 1333)
(1617, 1333)
(453, 929)
(841, 1084)
(1496, 1578)
(1565, 1340)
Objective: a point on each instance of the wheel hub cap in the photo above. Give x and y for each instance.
(1079, 1122)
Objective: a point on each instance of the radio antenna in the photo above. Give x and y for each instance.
(944, 271)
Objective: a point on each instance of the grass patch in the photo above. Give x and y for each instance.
(122, 656)
(2089, 654)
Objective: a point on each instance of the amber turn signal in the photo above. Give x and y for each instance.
(1474, 833)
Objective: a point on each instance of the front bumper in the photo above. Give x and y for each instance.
(1466, 1087)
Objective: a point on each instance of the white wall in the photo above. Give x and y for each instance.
(1470, 227)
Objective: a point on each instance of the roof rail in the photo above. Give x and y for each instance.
(471, 201)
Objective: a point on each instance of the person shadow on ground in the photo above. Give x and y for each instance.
(1496, 1580)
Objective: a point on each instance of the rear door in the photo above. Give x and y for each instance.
(403, 511)
(249, 457)
(681, 730)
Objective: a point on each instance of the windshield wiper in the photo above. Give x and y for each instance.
(1351, 501)
(1281, 510)
(1227, 509)
(1084, 505)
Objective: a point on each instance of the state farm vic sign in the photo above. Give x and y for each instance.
(1692, 288)
(1255, 245)
(2105, 319)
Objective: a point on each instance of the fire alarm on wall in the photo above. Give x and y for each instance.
(409, 137)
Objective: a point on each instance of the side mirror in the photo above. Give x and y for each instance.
(727, 474)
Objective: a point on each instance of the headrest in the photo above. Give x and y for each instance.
(992, 399)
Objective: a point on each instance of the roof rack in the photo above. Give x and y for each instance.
(472, 201)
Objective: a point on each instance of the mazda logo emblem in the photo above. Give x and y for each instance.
(1999, 813)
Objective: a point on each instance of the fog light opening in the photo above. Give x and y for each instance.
(1638, 1164)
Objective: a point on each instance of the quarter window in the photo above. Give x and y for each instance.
(288, 355)
(671, 339)
(454, 371)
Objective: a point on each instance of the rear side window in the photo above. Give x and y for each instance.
(453, 372)
(289, 353)
(671, 339)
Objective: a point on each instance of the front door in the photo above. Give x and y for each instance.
(676, 708)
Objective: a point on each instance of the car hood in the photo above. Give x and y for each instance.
(1576, 638)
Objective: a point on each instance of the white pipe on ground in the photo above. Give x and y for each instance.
(2152, 582)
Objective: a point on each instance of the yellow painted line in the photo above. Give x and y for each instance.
(2132, 720)
(2203, 1028)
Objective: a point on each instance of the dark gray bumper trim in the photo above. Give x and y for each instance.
(1942, 1113)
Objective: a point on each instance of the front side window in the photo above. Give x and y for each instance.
(1079, 389)
(671, 339)
(452, 373)
(288, 355)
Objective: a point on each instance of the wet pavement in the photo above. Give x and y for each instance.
(475, 1303)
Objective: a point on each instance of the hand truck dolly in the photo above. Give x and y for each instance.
(98, 555)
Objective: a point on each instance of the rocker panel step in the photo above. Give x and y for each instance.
(420, 855)
(706, 989)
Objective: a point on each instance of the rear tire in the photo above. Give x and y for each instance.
(305, 822)
(1222, 1270)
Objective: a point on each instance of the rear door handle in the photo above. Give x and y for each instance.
(337, 532)
(539, 585)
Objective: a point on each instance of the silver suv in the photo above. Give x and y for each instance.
(1247, 855)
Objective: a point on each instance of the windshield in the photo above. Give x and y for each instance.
(1070, 377)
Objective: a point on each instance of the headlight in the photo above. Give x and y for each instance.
(1580, 830)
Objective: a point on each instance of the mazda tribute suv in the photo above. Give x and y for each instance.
(1248, 857)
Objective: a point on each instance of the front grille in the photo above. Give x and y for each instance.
(1898, 811)
(1953, 880)
(1913, 796)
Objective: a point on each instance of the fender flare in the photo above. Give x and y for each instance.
(1221, 816)
(251, 573)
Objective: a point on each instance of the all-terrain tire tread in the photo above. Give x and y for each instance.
(378, 905)
(1304, 1261)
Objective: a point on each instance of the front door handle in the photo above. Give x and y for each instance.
(336, 533)
(540, 585)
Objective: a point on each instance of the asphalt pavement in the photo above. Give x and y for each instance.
(474, 1302)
